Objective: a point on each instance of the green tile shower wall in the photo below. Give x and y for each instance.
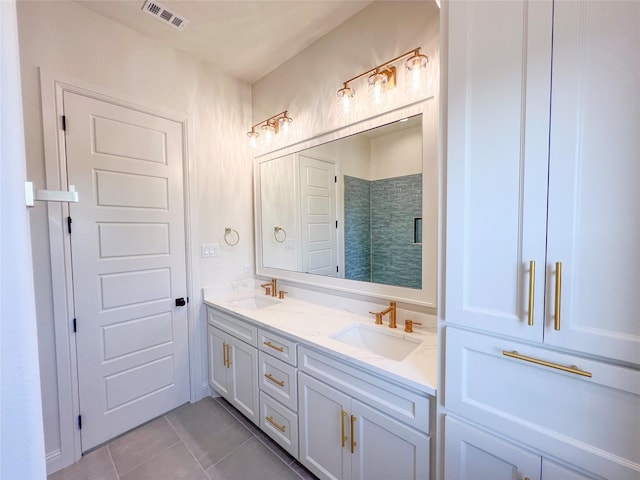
(381, 248)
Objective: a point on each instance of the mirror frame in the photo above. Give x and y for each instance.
(427, 295)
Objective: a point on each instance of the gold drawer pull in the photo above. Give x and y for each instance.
(228, 355)
(269, 344)
(343, 436)
(224, 354)
(532, 281)
(571, 369)
(282, 428)
(556, 318)
(270, 377)
(353, 442)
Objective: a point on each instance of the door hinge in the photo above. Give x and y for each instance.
(75, 326)
(335, 179)
(69, 224)
(337, 269)
(64, 123)
(336, 223)
(80, 422)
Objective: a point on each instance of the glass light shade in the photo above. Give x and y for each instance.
(253, 138)
(378, 88)
(416, 74)
(345, 99)
(269, 131)
(283, 125)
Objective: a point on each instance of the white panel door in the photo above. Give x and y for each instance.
(594, 179)
(128, 262)
(318, 217)
(217, 350)
(377, 438)
(498, 123)
(324, 430)
(471, 453)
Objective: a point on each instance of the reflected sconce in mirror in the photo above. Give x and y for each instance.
(383, 78)
(279, 124)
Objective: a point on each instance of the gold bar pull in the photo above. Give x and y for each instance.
(270, 377)
(228, 355)
(532, 282)
(269, 344)
(571, 369)
(282, 428)
(224, 354)
(353, 442)
(343, 436)
(556, 322)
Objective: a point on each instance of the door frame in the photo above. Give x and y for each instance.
(52, 87)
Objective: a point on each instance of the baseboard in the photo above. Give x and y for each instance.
(54, 461)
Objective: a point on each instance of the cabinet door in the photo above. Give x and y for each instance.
(243, 379)
(217, 368)
(324, 429)
(377, 439)
(499, 76)
(471, 453)
(594, 179)
(554, 471)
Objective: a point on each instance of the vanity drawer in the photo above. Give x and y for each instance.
(403, 404)
(233, 326)
(277, 346)
(279, 380)
(591, 421)
(280, 423)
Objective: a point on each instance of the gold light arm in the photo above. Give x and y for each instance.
(353, 442)
(532, 281)
(544, 363)
(282, 428)
(415, 51)
(270, 377)
(284, 114)
(342, 435)
(556, 319)
(271, 345)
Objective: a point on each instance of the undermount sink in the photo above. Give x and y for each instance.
(254, 302)
(391, 345)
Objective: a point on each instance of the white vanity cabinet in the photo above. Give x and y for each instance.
(233, 363)
(542, 232)
(353, 426)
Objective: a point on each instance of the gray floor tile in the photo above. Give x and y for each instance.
(140, 445)
(251, 461)
(238, 416)
(172, 464)
(96, 465)
(302, 472)
(208, 430)
(274, 447)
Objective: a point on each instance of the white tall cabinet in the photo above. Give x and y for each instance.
(543, 235)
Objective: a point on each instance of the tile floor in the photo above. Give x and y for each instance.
(208, 440)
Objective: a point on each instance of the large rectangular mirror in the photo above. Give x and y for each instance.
(354, 213)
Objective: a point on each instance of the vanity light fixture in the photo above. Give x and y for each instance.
(383, 78)
(272, 126)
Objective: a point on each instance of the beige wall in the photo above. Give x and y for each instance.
(66, 38)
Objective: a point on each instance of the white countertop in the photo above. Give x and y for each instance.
(313, 324)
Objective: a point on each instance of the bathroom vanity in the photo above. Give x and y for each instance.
(346, 397)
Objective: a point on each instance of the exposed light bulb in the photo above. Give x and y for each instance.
(378, 88)
(416, 74)
(283, 125)
(269, 132)
(345, 99)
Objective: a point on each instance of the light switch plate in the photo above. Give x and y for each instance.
(210, 249)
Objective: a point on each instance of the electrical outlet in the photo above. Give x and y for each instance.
(289, 244)
(210, 249)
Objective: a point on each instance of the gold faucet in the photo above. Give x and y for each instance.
(270, 287)
(391, 310)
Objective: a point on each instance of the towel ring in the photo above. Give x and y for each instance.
(230, 232)
(281, 238)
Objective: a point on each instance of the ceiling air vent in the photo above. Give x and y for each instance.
(162, 13)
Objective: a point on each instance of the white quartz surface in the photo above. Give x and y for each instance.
(313, 325)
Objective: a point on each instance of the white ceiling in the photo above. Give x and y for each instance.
(246, 39)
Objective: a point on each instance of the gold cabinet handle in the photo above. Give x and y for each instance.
(353, 442)
(342, 436)
(556, 322)
(532, 282)
(571, 369)
(270, 377)
(269, 344)
(224, 354)
(228, 355)
(282, 428)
